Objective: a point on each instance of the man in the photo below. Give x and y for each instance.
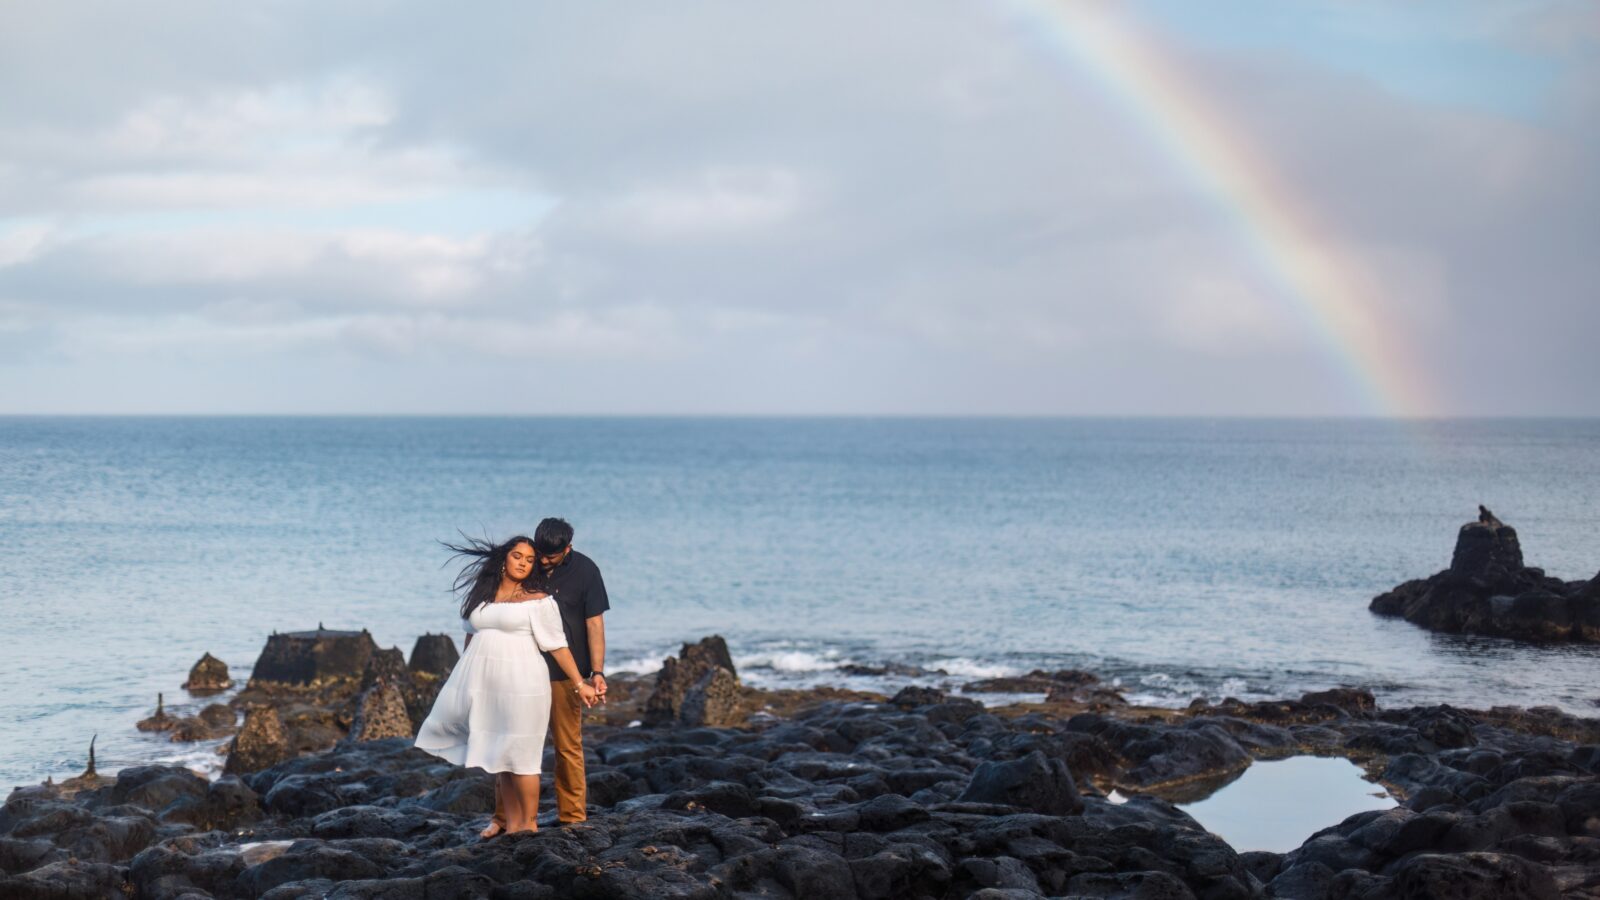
(574, 580)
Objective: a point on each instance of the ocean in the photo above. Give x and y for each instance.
(1176, 557)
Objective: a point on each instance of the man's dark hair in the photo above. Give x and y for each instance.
(552, 536)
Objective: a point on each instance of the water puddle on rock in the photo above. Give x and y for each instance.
(1277, 805)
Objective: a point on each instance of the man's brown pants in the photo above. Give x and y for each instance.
(566, 732)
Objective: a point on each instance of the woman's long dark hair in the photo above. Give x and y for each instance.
(480, 577)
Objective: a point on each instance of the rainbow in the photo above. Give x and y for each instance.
(1335, 298)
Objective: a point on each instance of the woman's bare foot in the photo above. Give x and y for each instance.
(495, 829)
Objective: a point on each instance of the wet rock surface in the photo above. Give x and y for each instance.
(1488, 590)
(836, 795)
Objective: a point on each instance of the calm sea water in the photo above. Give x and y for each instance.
(1180, 557)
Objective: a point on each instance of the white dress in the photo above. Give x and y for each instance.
(494, 708)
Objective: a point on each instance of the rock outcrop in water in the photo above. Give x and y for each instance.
(310, 660)
(311, 689)
(208, 676)
(925, 796)
(1488, 590)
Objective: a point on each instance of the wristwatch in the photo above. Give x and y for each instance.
(597, 672)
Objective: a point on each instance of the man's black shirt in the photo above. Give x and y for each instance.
(581, 595)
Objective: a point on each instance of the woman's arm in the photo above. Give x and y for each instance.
(569, 667)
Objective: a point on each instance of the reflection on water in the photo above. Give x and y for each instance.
(1277, 805)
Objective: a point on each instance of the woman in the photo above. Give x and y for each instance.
(493, 710)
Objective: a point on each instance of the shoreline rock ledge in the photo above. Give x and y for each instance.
(1489, 591)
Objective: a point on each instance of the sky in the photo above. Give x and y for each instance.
(906, 207)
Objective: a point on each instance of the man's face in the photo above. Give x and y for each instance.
(548, 562)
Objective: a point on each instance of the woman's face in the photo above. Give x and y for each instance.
(519, 561)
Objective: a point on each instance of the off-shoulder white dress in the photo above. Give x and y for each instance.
(493, 709)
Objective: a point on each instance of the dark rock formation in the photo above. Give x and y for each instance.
(1487, 590)
(219, 715)
(381, 714)
(1035, 783)
(926, 797)
(1037, 681)
(713, 700)
(385, 665)
(159, 720)
(890, 668)
(208, 676)
(679, 674)
(319, 682)
(312, 659)
(416, 690)
(262, 742)
(434, 654)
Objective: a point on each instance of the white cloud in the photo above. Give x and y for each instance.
(22, 242)
(899, 207)
(719, 201)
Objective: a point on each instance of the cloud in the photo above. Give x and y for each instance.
(908, 207)
(719, 201)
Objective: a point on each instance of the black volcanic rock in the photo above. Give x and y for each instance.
(1488, 590)
(713, 700)
(847, 798)
(208, 676)
(1487, 550)
(434, 654)
(312, 658)
(260, 743)
(1035, 782)
(683, 672)
(160, 720)
(381, 713)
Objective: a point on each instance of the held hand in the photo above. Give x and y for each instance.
(599, 682)
(587, 694)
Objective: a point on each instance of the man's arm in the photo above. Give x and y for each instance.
(596, 626)
(595, 603)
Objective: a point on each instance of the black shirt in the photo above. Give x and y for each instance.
(581, 595)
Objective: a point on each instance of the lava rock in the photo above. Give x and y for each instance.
(259, 744)
(312, 658)
(712, 701)
(1469, 876)
(912, 696)
(681, 673)
(434, 654)
(160, 720)
(1035, 782)
(1488, 590)
(209, 675)
(381, 714)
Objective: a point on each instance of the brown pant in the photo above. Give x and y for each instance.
(566, 731)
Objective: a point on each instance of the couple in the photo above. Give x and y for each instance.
(533, 610)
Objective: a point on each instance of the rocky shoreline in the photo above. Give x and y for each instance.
(701, 786)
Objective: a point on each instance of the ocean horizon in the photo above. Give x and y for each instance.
(1177, 557)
